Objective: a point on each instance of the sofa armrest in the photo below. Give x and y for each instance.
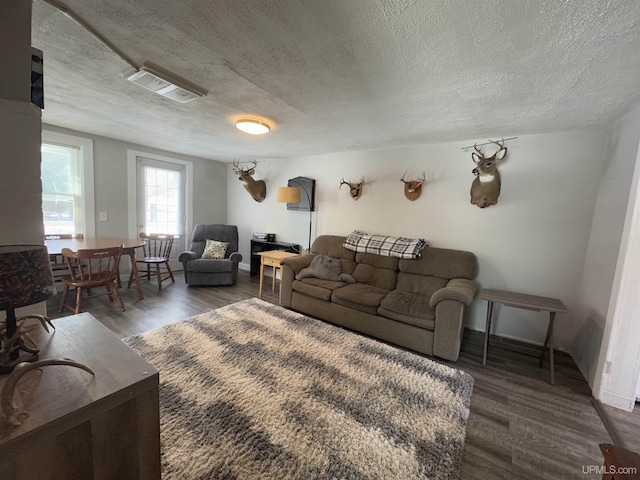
(236, 257)
(298, 262)
(289, 268)
(184, 257)
(458, 289)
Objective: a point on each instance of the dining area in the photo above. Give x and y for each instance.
(91, 266)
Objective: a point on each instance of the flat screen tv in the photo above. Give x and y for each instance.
(307, 202)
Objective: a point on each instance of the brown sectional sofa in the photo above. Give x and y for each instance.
(417, 304)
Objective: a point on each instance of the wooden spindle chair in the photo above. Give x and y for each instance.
(58, 264)
(157, 250)
(97, 268)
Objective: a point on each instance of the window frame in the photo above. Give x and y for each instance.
(132, 190)
(85, 154)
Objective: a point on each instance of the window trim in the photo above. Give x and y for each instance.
(85, 149)
(132, 190)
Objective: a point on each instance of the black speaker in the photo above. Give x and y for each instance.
(37, 78)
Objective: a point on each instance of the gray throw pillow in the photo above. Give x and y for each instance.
(325, 268)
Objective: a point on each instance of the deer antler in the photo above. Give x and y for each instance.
(478, 150)
(419, 182)
(238, 169)
(10, 410)
(343, 182)
(499, 144)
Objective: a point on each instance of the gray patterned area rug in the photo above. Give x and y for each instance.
(253, 391)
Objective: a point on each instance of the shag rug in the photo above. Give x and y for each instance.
(253, 391)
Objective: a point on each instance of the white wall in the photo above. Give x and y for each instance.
(534, 240)
(604, 245)
(609, 293)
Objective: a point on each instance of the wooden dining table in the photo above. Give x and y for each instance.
(129, 245)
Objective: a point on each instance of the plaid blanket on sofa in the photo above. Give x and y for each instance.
(400, 247)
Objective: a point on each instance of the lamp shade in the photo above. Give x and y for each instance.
(288, 195)
(25, 275)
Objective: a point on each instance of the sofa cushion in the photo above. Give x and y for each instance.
(408, 308)
(317, 287)
(359, 296)
(331, 245)
(424, 285)
(442, 263)
(376, 270)
(378, 261)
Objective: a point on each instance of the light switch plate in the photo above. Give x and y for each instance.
(103, 216)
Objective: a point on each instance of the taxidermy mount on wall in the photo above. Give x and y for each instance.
(413, 188)
(256, 188)
(355, 188)
(485, 188)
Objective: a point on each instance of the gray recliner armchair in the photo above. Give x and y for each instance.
(211, 271)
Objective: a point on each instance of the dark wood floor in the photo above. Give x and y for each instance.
(520, 426)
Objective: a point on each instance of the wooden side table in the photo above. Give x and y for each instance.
(527, 302)
(81, 426)
(272, 258)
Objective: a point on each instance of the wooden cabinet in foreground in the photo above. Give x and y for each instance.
(79, 426)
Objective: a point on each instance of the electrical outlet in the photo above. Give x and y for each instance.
(103, 216)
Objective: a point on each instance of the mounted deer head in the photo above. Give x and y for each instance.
(413, 188)
(485, 188)
(355, 188)
(256, 188)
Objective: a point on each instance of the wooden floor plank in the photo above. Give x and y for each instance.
(520, 426)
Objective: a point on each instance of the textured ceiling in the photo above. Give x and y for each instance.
(335, 75)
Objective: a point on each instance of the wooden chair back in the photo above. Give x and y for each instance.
(58, 264)
(157, 245)
(157, 251)
(98, 266)
(89, 269)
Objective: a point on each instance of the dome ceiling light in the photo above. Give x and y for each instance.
(252, 126)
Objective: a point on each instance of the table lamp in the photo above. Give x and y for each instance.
(25, 279)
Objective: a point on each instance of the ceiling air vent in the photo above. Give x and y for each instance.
(162, 85)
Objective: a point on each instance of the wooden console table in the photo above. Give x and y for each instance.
(272, 258)
(258, 246)
(80, 426)
(527, 302)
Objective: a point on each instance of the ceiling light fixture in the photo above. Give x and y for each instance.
(252, 126)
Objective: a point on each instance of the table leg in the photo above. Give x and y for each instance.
(548, 343)
(261, 279)
(273, 280)
(487, 330)
(134, 271)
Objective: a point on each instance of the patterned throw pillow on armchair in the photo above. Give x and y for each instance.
(215, 249)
